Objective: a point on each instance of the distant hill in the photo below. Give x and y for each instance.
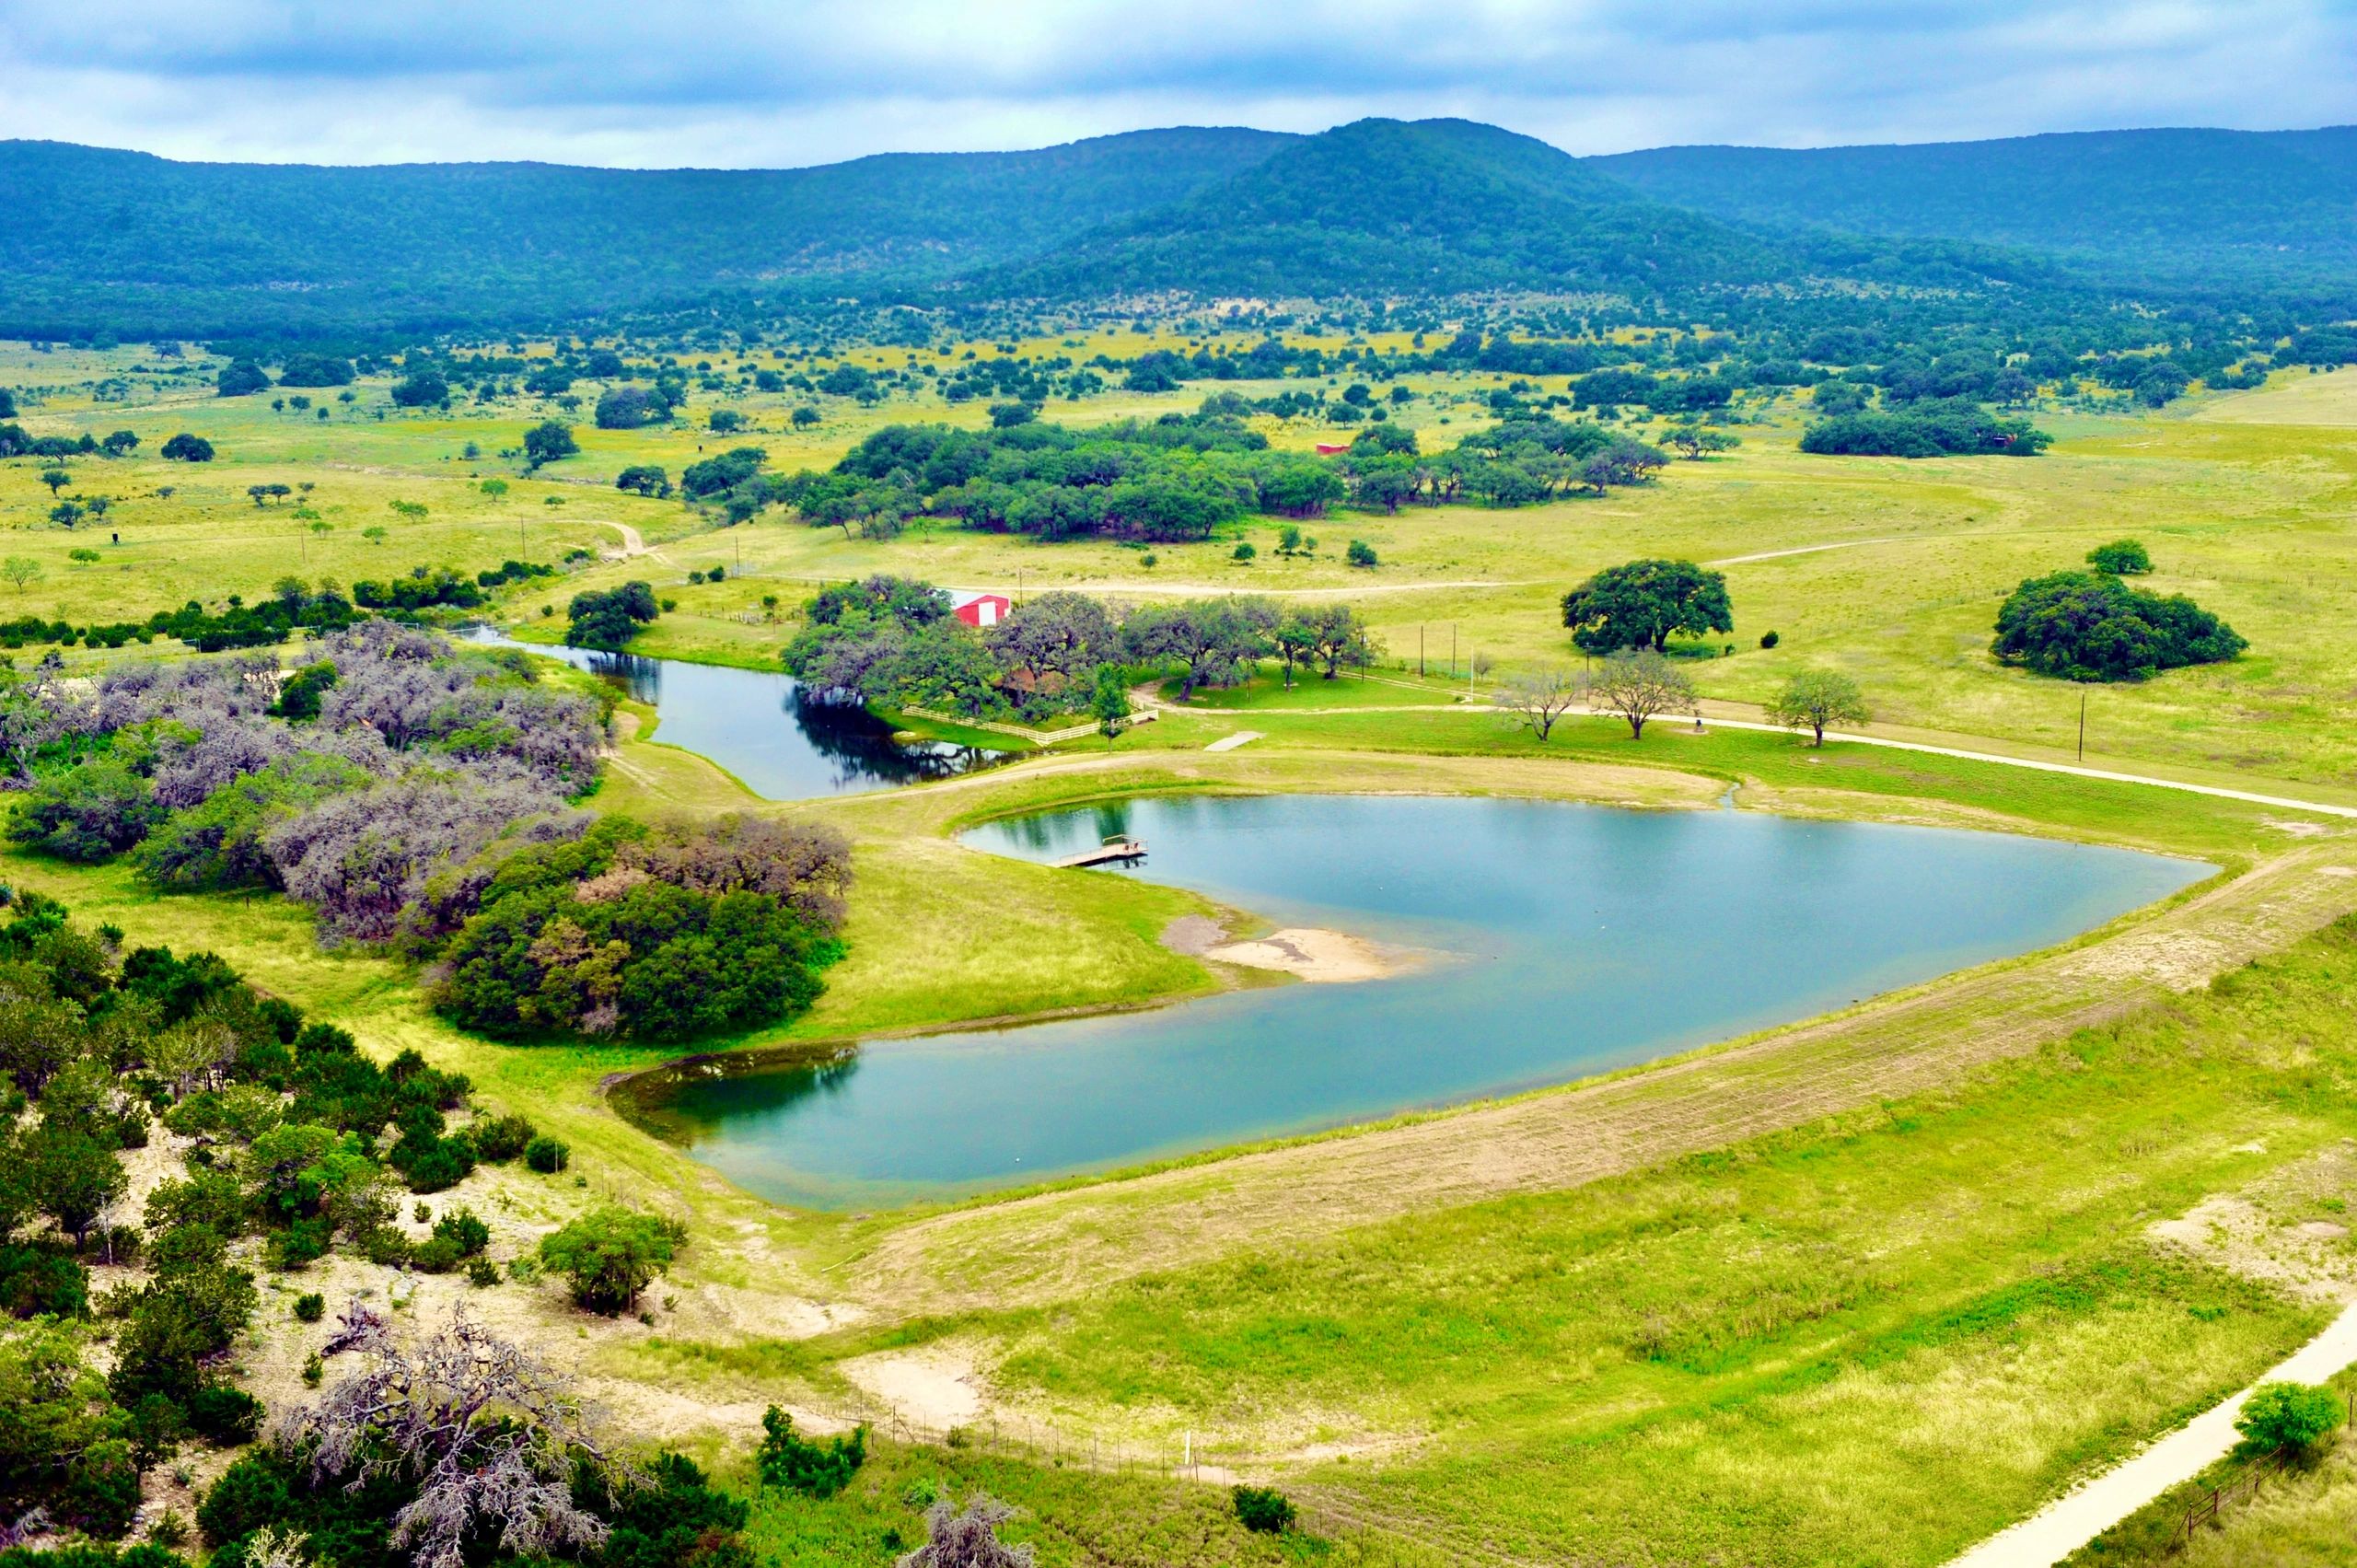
(1388, 206)
(2211, 207)
(145, 244)
(146, 247)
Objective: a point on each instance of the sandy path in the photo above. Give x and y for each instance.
(1059, 1243)
(2070, 1522)
(1813, 550)
(2074, 770)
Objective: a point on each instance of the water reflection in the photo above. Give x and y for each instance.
(764, 728)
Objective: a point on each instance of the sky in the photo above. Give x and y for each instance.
(740, 84)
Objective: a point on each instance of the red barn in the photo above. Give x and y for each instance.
(980, 610)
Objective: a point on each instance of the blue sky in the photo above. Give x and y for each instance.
(740, 84)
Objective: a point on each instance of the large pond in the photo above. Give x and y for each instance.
(764, 729)
(1549, 941)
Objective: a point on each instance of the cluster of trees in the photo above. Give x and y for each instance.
(441, 588)
(647, 931)
(609, 618)
(418, 794)
(632, 407)
(2091, 626)
(294, 605)
(1636, 684)
(15, 443)
(348, 784)
(285, 1116)
(1177, 478)
(1932, 428)
(891, 642)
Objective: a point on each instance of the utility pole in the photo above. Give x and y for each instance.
(2083, 723)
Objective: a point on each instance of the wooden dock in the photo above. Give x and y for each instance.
(1113, 850)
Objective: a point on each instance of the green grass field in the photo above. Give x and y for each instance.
(1889, 569)
(1872, 1328)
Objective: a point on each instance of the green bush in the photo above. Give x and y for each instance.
(250, 1493)
(677, 1519)
(463, 1229)
(37, 1282)
(311, 1306)
(499, 1139)
(2122, 558)
(301, 1243)
(102, 1487)
(2283, 1416)
(548, 1156)
(436, 1255)
(609, 1254)
(384, 1247)
(230, 1417)
(1263, 1508)
(818, 1469)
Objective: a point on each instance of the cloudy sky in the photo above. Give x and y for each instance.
(740, 82)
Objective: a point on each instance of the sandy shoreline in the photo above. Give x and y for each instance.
(1308, 953)
(1305, 952)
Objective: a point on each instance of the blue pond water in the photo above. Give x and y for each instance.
(1553, 940)
(763, 728)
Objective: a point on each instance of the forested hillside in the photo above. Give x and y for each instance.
(2209, 207)
(99, 238)
(2026, 229)
(1383, 205)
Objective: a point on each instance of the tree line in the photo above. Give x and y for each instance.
(1182, 477)
(893, 644)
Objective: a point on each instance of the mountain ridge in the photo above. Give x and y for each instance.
(146, 246)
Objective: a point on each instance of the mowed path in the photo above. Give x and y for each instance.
(1059, 1243)
(2078, 1516)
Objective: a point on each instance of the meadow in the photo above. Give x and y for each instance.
(1887, 569)
(1862, 1290)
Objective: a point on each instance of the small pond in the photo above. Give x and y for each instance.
(764, 729)
(1549, 941)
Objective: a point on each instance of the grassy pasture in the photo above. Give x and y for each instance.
(1946, 1301)
(1874, 1335)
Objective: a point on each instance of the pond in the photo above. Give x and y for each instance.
(765, 729)
(1548, 941)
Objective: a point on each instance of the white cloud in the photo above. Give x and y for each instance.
(743, 83)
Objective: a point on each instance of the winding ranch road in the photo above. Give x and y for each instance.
(2070, 1521)
(2073, 769)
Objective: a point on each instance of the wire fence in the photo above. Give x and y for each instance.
(2246, 1488)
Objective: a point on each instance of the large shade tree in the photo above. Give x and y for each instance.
(1644, 603)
